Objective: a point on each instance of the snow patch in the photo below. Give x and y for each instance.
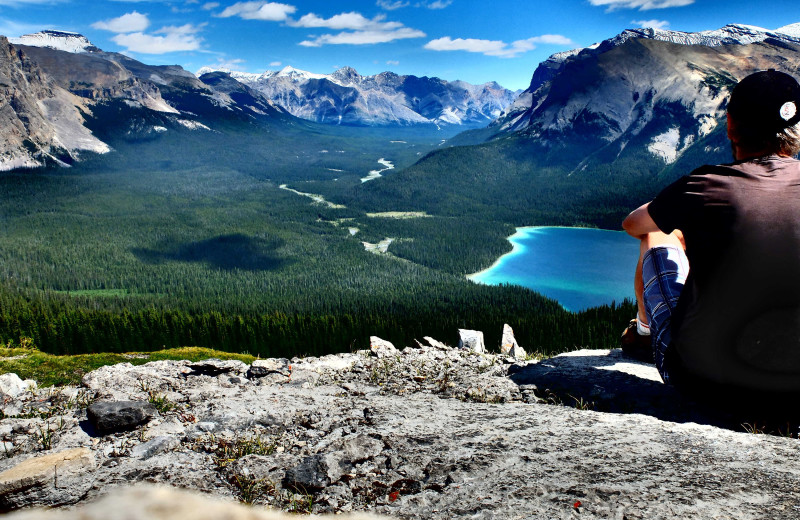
(160, 129)
(58, 40)
(665, 145)
(707, 124)
(192, 125)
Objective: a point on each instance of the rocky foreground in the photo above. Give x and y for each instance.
(429, 431)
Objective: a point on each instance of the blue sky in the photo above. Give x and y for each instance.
(472, 40)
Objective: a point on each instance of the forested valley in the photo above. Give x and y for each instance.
(178, 239)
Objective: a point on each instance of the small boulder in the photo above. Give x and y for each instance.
(50, 480)
(116, 416)
(154, 447)
(471, 340)
(381, 348)
(12, 385)
(310, 475)
(509, 345)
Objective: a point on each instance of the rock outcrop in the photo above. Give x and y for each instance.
(431, 431)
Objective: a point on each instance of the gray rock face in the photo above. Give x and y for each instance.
(471, 340)
(50, 480)
(116, 416)
(13, 386)
(265, 367)
(427, 433)
(154, 447)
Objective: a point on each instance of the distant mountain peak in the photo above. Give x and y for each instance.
(345, 75)
(296, 74)
(58, 40)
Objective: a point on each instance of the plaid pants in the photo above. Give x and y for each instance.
(664, 271)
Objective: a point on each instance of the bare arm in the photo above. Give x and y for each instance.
(639, 223)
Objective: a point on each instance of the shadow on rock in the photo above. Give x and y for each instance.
(607, 381)
(228, 252)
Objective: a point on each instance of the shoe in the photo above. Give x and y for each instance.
(635, 345)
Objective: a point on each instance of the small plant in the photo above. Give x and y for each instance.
(223, 452)
(581, 403)
(160, 401)
(85, 398)
(753, 428)
(302, 503)
(45, 437)
(250, 489)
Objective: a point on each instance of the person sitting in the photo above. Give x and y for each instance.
(718, 279)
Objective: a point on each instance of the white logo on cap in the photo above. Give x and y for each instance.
(788, 110)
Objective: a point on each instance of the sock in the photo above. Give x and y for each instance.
(642, 328)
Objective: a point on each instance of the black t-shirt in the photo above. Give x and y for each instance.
(738, 318)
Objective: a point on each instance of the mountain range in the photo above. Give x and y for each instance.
(52, 84)
(346, 97)
(636, 104)
(599, 130)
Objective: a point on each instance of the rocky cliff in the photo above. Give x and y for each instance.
(427, 431)
(40, 121)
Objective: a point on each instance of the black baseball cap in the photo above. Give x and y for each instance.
(767, 101)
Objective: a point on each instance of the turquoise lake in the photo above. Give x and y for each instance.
(578, 267)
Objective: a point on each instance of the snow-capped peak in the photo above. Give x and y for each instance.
(297, 74)
(790, 30)
(206, 70)
(59, 40)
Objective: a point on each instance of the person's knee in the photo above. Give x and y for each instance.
(658, 238)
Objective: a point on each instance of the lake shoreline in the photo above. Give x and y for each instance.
(577, 270)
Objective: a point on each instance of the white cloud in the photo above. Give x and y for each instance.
(275, 64)
(130, 22)
(227, 64)
(362, 30)
(495, 47)
(210, 5)
(655, 24)
(437, 4)
(642, 5)
(181, 38)
(353, 21)
(391, 5)
(13, 3)
(267, 11)
(363, 37)
(393, 62)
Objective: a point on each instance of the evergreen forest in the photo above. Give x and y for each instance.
(214, 240)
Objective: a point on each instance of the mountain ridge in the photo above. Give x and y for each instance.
(387, 98)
